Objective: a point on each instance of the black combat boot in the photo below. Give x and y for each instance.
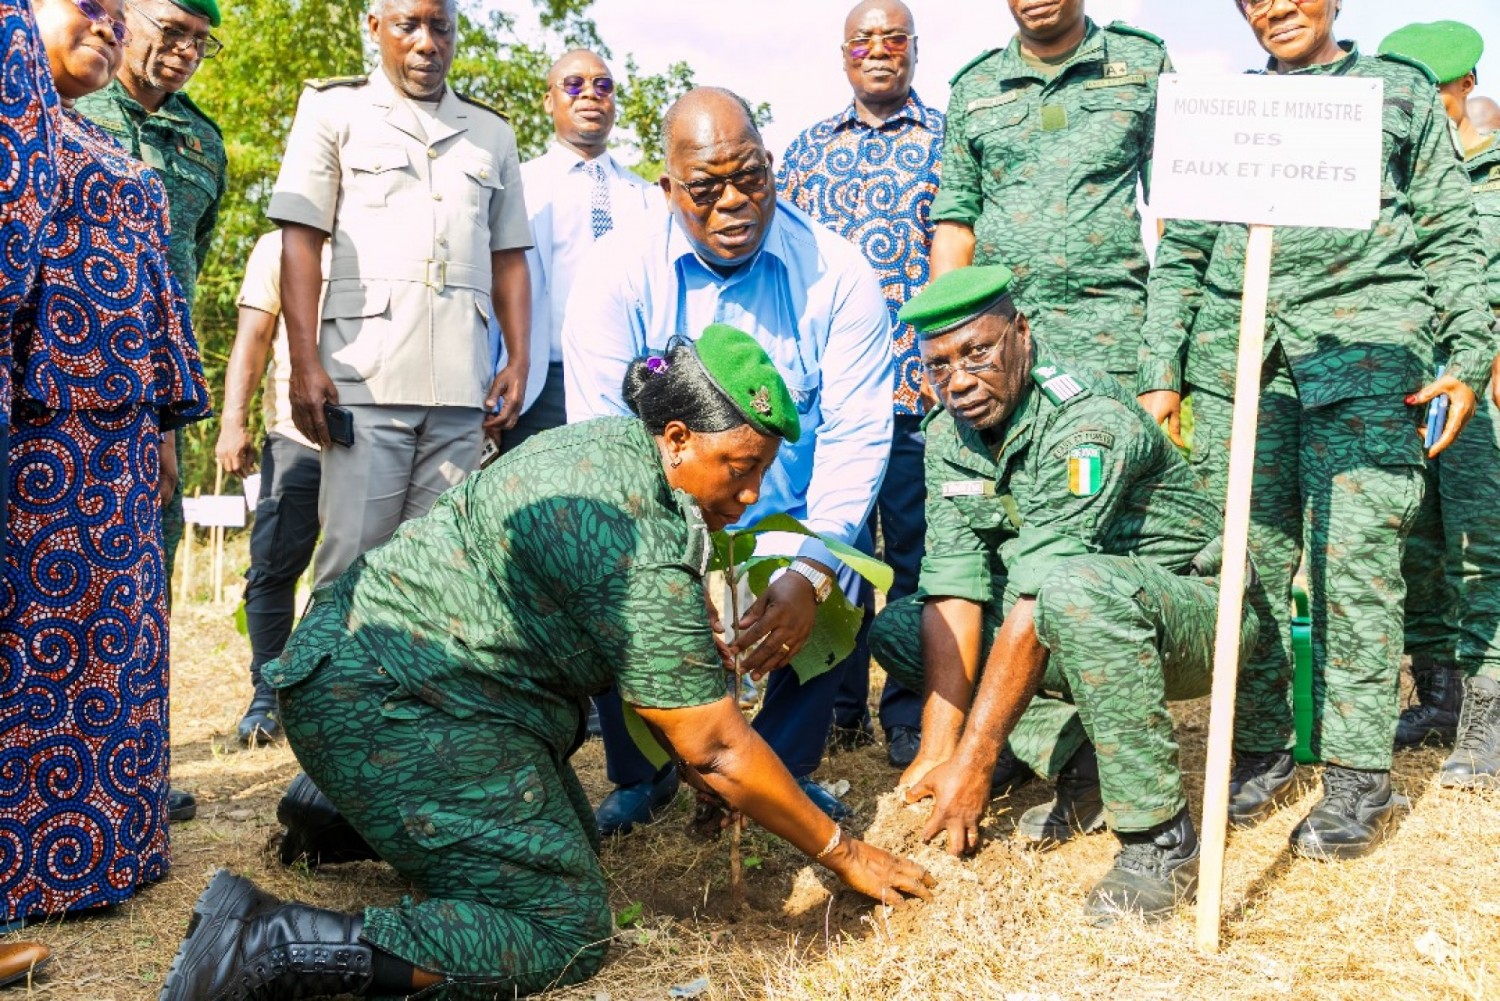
(261, 723)
(243, 944)
(315, 830)
(1440, 697)
(1077, 808)
(1154, 872)
(1475, 761)
(1357, 812)
(1258, 783)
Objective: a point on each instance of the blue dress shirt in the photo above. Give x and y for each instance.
(809, 298)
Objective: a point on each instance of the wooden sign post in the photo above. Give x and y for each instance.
(215, 513)
(1263, 151)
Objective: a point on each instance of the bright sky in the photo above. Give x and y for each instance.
(787, 51)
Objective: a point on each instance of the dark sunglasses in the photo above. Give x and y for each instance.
(860, 46)
(709, 190)
(574, 85)
(95, 12)
(1255, 8)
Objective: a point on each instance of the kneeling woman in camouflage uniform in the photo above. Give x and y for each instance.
(437, 690)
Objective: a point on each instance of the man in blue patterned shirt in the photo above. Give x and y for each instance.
(869, 173)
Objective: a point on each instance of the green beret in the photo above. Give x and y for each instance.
(956, 298)
(744, 373)
(1451, 49)
(203, 8)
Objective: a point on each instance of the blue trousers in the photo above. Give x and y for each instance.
(281, 544)
(900, 511)
(794, 718)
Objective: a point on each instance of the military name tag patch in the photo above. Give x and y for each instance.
(969, 488)
(1084, 467)
(994, 102)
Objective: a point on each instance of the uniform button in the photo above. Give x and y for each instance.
(437, 196)
(429, 829)
(380, 670)
(442, 241)
(432, 154)
(484, 175)
(528, 796)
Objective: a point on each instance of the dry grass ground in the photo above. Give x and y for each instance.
(1418, 919)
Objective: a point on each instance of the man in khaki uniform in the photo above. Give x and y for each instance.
(419, 190)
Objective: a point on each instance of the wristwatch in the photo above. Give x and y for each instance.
(822, 582)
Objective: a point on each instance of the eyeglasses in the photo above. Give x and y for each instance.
(1255, 8)
(709, 190)
(976, 361)
(573, 85)
(96, 13)
(860, 46)
(207, 46)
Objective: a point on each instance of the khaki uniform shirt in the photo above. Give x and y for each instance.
(415, 204)
(1078, 468)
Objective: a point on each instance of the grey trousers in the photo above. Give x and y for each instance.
(401, 460)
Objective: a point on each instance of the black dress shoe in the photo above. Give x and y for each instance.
(1357, 813)
(1475, 761)
(181, 806)
(902, 744)
(1154, 872)
(1077, 808)
(243, 944)
(1258, 783)
(261, 723)
(315, 829)
(636, 804)
(1433, 718)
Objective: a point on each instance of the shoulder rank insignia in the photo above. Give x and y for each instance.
(1415, 64)
(1121, 28)
(480, 104)
(1059, 386)
(324, 83)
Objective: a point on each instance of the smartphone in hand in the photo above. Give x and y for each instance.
(340, 425)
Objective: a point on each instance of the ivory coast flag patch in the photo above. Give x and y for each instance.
(1084, 467)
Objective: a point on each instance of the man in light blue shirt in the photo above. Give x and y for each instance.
(728, 253)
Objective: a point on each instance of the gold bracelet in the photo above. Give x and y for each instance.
(833, 842)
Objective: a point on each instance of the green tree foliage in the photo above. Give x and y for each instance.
(274, 46)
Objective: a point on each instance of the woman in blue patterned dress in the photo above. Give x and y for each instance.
(104, 362)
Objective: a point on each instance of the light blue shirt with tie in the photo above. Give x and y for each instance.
(809, 298)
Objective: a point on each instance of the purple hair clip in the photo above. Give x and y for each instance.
(656, 364)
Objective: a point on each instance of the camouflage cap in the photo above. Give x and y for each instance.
(203, 8)
(745, 374)
(956, 298)
(1451, 49)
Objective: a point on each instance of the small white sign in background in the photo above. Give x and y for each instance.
(226, 511)
(1269, 150)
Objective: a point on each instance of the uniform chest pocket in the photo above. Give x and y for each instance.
(1395, 140)
(982, 513)
(1115, 119)
(481, 182)
(201, 182)
(1000, 137)
(375, 173)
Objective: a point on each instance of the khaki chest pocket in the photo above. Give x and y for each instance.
(1001, 138)
(1395, 138)
(373, 175)
(1115, 123)
(479, 181)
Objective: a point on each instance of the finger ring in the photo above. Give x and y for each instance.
(785, 648)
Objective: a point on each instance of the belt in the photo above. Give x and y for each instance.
(436, 275)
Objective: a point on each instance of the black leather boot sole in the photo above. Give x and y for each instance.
(212, 931)
(315, 830)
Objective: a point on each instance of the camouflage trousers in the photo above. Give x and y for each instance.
(173, 524)
(480, 816)
(1124, 637)
(1342, 482)
(1452, 564)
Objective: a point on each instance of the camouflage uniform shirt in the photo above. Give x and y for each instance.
(1355, 312)
(567, 565)
(1483, 165)
(184, 146)
(1044, 170)
(1078, 468)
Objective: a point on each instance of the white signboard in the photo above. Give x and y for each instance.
(1269, 150)
(226, 511)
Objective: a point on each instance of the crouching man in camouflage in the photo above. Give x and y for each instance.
(1066, 596)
